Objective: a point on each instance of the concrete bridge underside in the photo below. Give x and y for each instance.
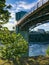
(41, 15)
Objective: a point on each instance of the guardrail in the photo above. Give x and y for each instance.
(37, 5)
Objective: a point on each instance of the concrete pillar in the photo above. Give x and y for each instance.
(17, 29)
(25, 34)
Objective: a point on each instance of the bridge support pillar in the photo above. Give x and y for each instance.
(17, 29)
(25, 34)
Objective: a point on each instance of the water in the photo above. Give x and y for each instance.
(37, 48)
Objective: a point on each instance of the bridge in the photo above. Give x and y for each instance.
(38, 15)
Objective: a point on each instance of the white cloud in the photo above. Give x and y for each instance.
(9, 26)
(21, 5)
(16, 7)
(43, 26)
(24, 5)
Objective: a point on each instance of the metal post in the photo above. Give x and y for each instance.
(42, 2)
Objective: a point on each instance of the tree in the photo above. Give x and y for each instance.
(4, 13)
(47, 51)
(12, 45)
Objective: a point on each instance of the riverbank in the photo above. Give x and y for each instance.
(37, 60)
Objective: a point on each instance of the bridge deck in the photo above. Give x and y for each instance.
(20, 22)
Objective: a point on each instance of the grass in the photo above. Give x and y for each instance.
(5, 62)
(40, 60)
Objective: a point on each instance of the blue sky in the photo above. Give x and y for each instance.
(13, 1)
(26, 5)
(19, 5)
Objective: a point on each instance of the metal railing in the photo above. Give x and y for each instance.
(39, 4)
(36, 6)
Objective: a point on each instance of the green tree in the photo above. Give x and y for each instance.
(4, 13)
(12, 45)
(47, 51)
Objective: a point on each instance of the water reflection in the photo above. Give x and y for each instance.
(36, 49)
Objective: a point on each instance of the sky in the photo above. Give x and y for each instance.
(28, 1)
(19, 5)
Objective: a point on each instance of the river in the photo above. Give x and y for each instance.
(38, 48)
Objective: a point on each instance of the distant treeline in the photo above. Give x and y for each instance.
(39, 37)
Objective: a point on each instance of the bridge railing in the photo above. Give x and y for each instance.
(36, 6)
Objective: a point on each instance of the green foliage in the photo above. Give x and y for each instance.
(9, 6)
(4, 13)
(12, 44)
(47, 51)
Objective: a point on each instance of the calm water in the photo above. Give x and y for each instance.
(37, 48)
